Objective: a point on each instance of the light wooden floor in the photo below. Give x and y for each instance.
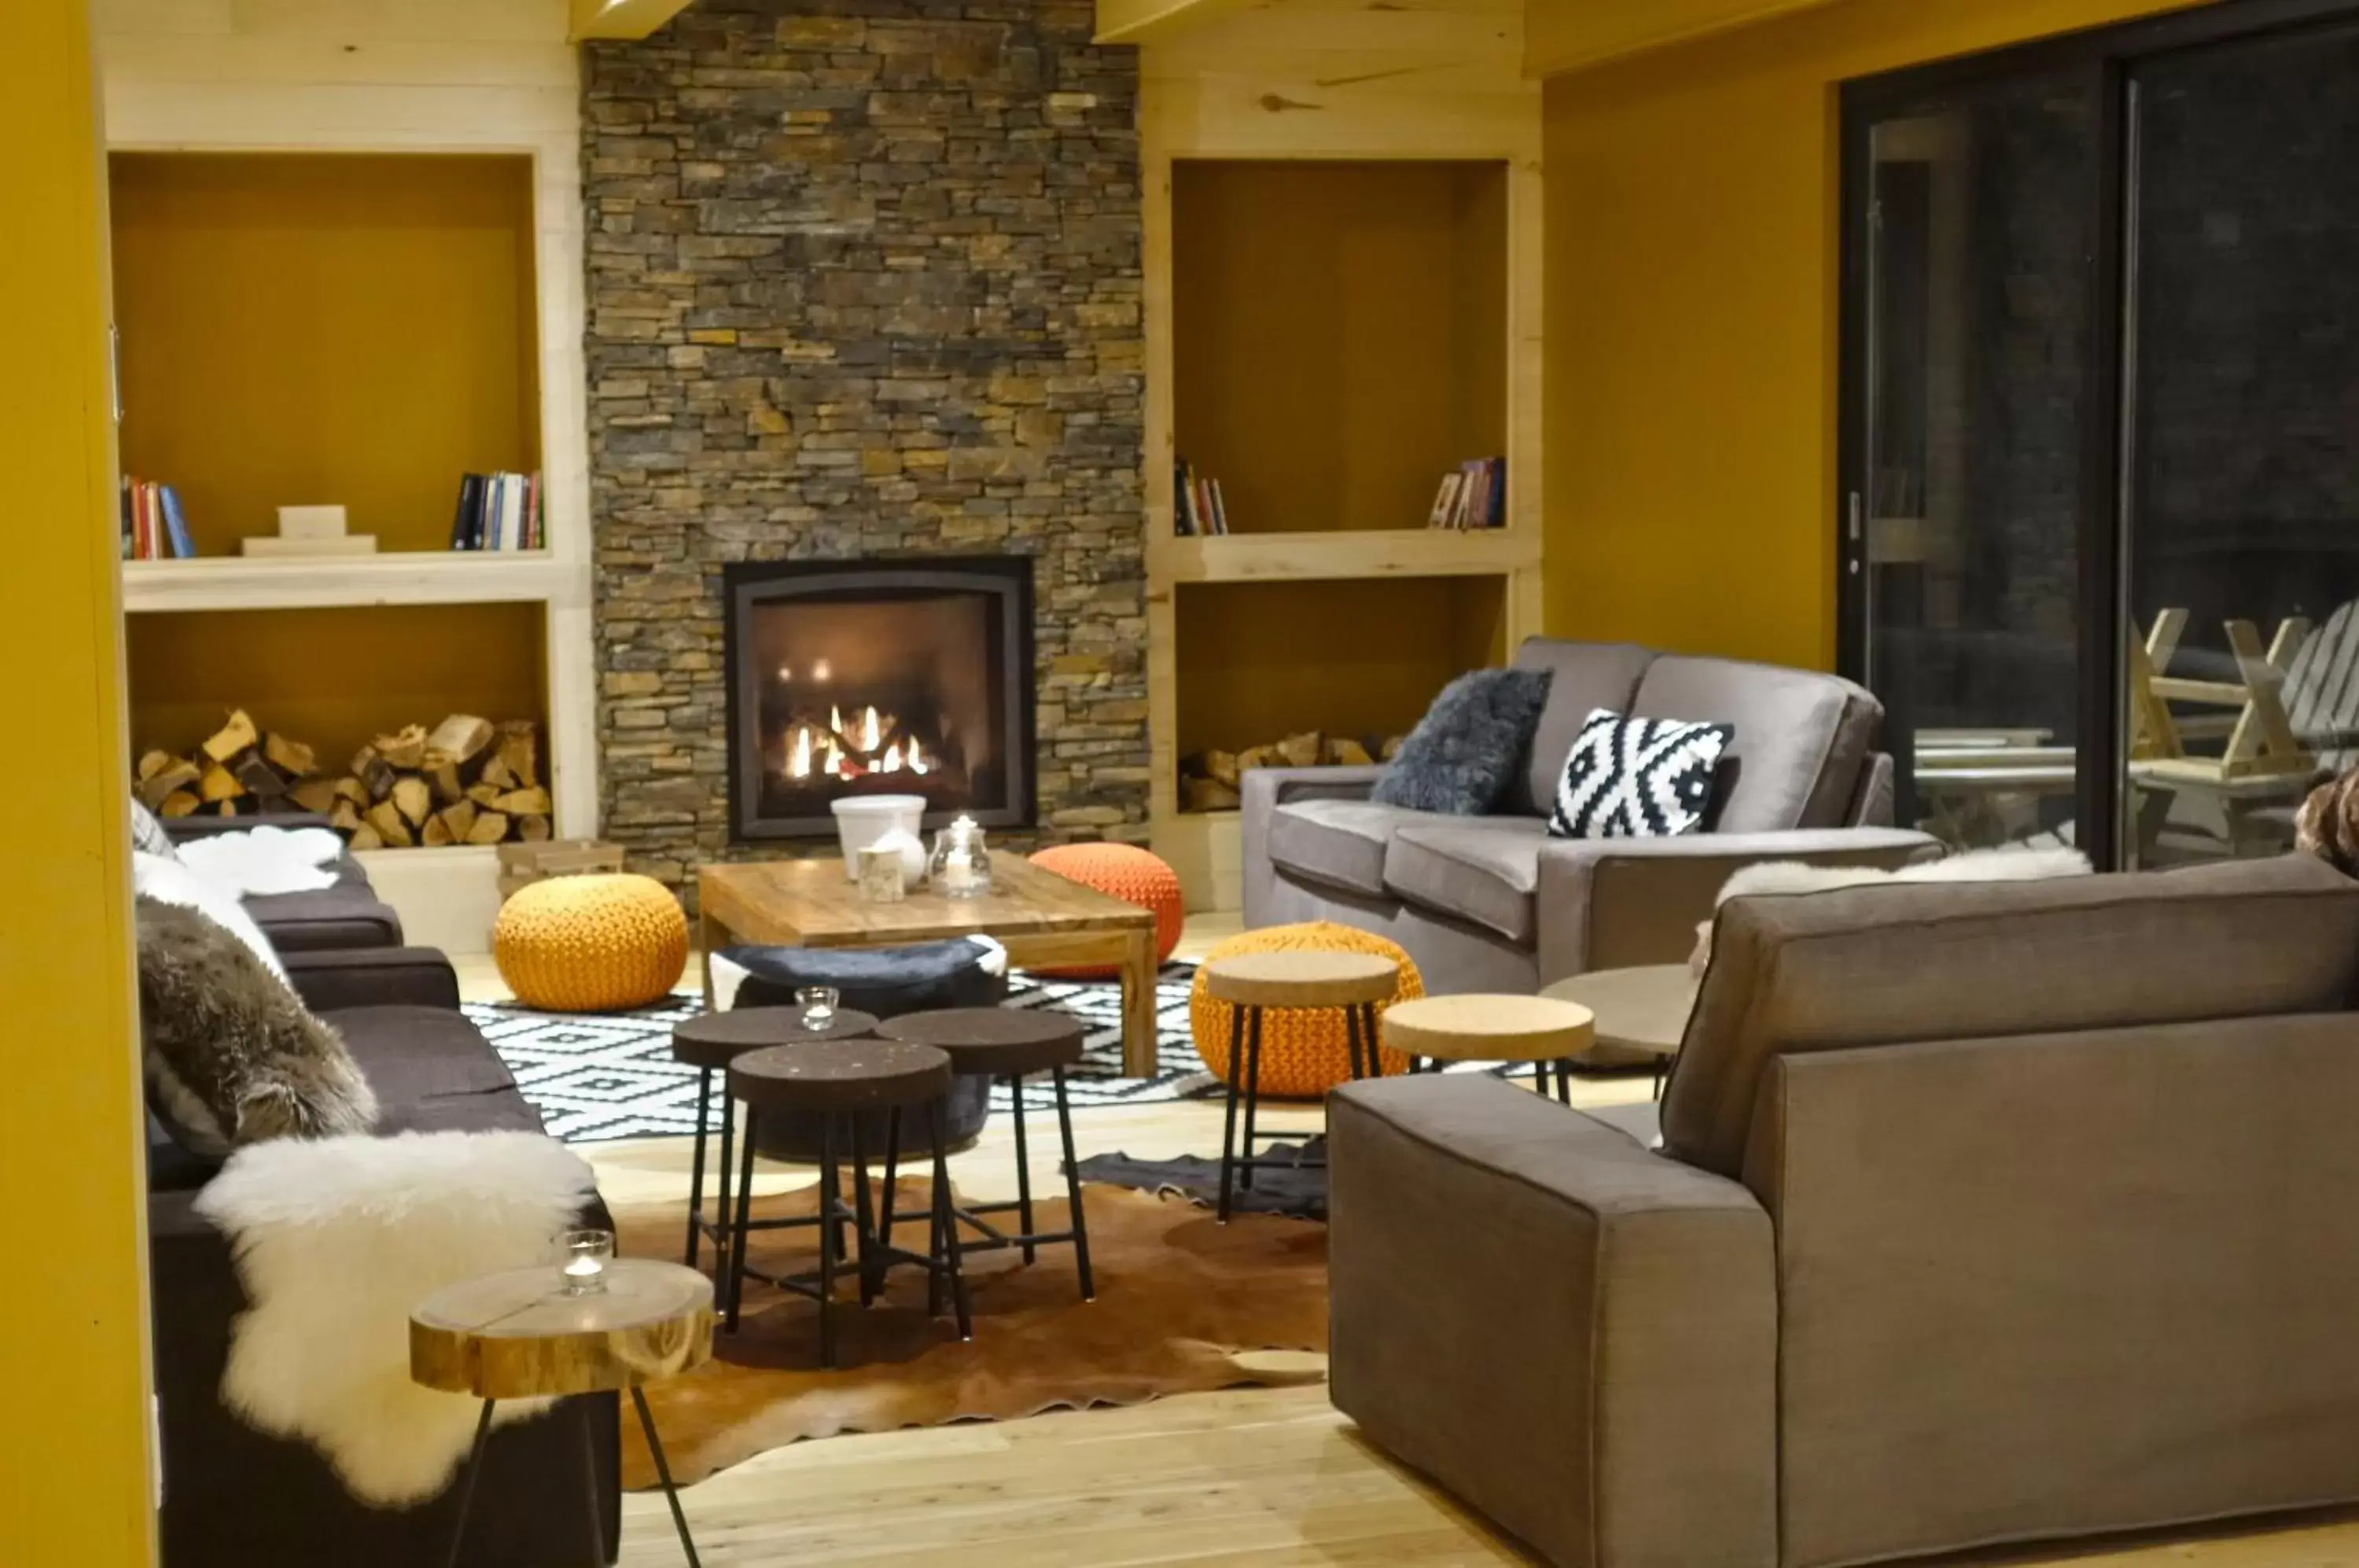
(1265, 1478)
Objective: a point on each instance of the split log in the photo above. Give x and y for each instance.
(1221, 768)
(458, 821)
(365, 837)
(497, 774)
(225, 808)
(1346, 752)
(385, 817)
(406, 748)
(375, 774)
(219, 784)
(345, 817)
(413, 800)
(435, 834)
(319, 796)
(352, 790)
(1255, 756)
(179, 803)
(444, 776)
(259, 778)
(232, 737)
(169, 781)
(291, 757)
(524, 803)
(484, 794)
(1391, 748)
(1304, 750)
(533, 829)
(520, 751)
(490, 828)
(1208, 795)
(459, 738)
(152, 763)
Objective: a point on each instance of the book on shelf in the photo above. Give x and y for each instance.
(498, 511)
(1198, 508)
(154, 525)
(1473, 495)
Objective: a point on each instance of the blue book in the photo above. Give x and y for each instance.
(176, 524)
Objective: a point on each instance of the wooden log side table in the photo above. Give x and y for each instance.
(710, 1042)
(836, 1084)
(1643, 1010)
(517, 1335)
(1250, 982)
(1009, 1043)
(1041, 919)
(1541, 1030)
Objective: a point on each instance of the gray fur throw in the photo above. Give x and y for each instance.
(1468, 746)
(232, 1055)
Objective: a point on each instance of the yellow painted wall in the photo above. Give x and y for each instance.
(74, 1478)
(1693, 210)
(331, 679)
(1339, 334)
(325, 328)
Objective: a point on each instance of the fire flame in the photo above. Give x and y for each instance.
(851, 751)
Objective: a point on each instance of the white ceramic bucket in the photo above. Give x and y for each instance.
(862, 820)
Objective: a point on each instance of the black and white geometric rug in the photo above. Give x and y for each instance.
(597, 1076)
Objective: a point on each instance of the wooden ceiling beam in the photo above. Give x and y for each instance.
(1158, 21)
(1568, 34)
(620, 18)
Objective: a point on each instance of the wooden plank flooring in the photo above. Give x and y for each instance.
(1259, 1478)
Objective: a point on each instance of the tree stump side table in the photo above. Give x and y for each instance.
(517, 1335)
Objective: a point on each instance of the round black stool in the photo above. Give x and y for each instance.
(837, 1082)
(710, 1042)
(1011, 1043)
(1251, 982)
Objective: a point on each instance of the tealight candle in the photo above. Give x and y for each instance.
(586, 1254)
(818, 1005)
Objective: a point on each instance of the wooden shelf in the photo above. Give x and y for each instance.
(418, 577)
(1356, 553)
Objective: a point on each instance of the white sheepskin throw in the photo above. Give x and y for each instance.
(1778, 877)
(266, 860)
(171, 881)
(336, 1240)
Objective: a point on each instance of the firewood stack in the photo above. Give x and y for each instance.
(1209, 781)
(467, 780)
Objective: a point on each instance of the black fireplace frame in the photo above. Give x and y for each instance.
(750, 584)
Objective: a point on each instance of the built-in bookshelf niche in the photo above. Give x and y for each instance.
(1339, 335)
(1385, 646)
(325, 328)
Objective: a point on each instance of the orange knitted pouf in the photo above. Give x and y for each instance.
(1304, 1051)
(591, 944)
(1121, 871)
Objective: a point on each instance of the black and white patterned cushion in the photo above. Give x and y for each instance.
(147, 835)
(1629, 778)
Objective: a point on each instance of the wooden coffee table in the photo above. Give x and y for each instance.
(1043, 919)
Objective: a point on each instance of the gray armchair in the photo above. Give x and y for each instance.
(1493, 904)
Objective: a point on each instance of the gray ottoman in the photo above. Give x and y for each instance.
(962, 972)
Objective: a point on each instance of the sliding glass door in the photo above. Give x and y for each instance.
(2241, 472)
(1971, 248)
(2099, 500)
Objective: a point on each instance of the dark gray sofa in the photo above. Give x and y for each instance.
(347, 915)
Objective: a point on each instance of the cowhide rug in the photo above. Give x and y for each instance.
(1178, 1297)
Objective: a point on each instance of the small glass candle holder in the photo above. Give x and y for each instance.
(961, 862)
(882, 877)
(818, 1003)
(586, 1255)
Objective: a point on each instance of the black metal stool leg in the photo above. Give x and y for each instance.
(467, 1482)
(1351, 1040)
(1022, 1167)
(739, 1235)
(663, 1474)
(1081, 1222)
(949, 1220)
(892, 1171)
(1373, 1039)
(831, 1241)
(1253, 1095)
(590, 1487)
(696, 1175)
(862, 1225)
(1564, 1081)
(721, 1180)
(1236, 1083)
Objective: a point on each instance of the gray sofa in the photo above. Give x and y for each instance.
(1985, 1213)
(1493, 904)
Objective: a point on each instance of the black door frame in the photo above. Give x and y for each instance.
(2104, 58)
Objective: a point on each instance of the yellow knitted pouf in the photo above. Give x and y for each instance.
(591, 944)
(1304, 1051)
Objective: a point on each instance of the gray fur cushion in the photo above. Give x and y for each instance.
(1471, 744)
(232, 1055)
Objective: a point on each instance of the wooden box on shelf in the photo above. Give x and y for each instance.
(522, 865)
